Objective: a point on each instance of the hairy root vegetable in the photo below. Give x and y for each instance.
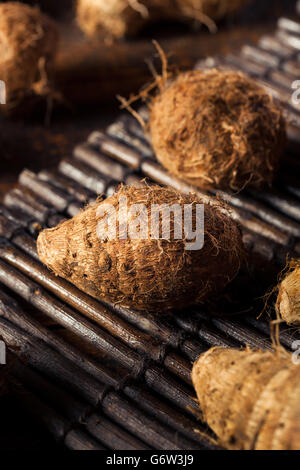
(116, 18)
(120, 18)
(288, 300)
(28, 43)
(250, 399)
(144, 272)
(217, 129)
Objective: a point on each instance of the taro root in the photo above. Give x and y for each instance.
(250, 399)
(28, 43)
(120, 18)
(217, 129)
(114, 18)
(288, 300)
(146, 272)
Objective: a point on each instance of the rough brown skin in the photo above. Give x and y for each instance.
(28, 44)
(121, 18)
(145, 274)
(250, 399)
(288, 300)
(217, 129)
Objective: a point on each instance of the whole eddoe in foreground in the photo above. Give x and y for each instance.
(249, 398)
(152, 274)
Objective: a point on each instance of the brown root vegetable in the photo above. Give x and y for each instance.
(250, 399)
(288, 300)
(28, 43)
(152, 274)
(217, 129)
(116, 18)
(120, 18)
